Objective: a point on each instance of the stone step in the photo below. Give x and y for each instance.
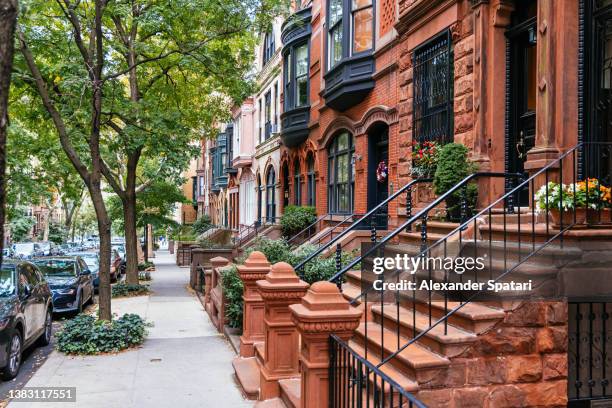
(450, 343)
(291, 390)
(270, 403)
(476, 317)
(350, 291)
(551, 254)
(473, 317)
(436, 227)
(418, 363)
(247, 372)
(415, 237)
(541, 233)
(396, 375)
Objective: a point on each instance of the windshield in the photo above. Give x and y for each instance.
(7, 282)
(91, 261)
(27, 247)
(56, 267)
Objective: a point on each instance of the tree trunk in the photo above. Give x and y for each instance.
(8, 19)
(104, 232)
(131, 238)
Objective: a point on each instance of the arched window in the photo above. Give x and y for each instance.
(271, 196)
(312, 182)
(341, 174)
(268, 51)
(297, 186)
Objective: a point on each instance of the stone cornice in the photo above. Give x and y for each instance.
(418, 12)
(317, 326)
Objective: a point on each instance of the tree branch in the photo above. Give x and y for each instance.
(53, 112)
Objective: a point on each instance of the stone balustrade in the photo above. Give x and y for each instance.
(216, 306)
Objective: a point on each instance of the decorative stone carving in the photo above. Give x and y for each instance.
(323, 311)
(279, 290)
(255, 268)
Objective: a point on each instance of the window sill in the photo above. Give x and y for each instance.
(349, 82)
(295, 129)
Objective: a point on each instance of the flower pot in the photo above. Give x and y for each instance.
(567, 217)
(599, 217)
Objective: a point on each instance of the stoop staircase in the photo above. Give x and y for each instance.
(414, 349)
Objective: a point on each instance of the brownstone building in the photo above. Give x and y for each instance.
(525, 86)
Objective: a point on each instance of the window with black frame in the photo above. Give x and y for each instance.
(351, 29)
(271, 195)
(296, 77)
(312, 186)
(433, 90)
(268, 115)
(268, 51)
(297, 190)
(341, 174)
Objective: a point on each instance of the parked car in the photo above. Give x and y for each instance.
(48, 248)
(93, 263)
(70, 281)
(25, 313)
(26, 250)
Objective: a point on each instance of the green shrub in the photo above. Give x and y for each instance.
(145, 265)
(86, 335)
(276, 250)
(232, 289)
(202, 224)
(454, 166)
(295, 219)
(124, 289)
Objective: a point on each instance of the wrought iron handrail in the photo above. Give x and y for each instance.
(330, 232)
(345, 362)
(529, 182)
(247, 233)
(407, 187)
(308, 228)
(422, 214)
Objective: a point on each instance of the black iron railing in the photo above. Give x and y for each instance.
(247, 233)
(422, 216)
(356, 382)
(308, 232)
(506, 238)
(368, 219)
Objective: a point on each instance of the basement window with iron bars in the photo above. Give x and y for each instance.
(433, 90)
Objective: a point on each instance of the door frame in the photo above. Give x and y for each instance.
(378, 136)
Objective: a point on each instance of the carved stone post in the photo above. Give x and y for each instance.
(281, 288)
(255, 268)
(197, 260)
(216, 308)
(323, 311)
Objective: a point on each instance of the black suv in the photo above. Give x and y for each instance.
(25, 313)
(70, 281)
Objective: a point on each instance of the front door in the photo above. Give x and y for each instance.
(378, 180)
(522, 87)
(597, 158)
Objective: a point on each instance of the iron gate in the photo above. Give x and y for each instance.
(589, 353)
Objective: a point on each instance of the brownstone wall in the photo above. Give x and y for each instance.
(522, 362)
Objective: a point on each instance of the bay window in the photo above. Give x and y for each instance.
(352, 38)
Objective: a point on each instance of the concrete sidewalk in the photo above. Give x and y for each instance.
(184, 361)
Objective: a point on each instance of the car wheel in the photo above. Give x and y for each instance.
(45, 338)
(14, 358)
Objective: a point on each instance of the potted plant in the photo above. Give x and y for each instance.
(454, 166)
(424, 159)
(566, 203)
(597, 199)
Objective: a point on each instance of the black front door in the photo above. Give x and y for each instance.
(378, 186)
(597, 158)
(522, 87)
